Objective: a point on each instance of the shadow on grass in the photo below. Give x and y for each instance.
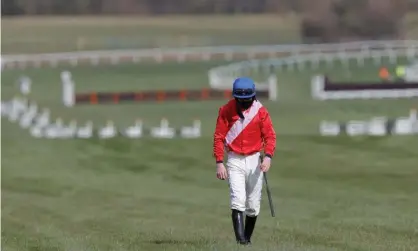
(177, 242)
(197, 242)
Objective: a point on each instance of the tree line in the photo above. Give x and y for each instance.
(152, 7)
(158, 7)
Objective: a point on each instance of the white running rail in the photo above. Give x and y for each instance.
(196, 53)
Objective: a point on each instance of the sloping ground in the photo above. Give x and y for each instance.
(55, 34)
(121, 194)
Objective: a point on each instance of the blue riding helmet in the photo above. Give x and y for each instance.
(243, 88)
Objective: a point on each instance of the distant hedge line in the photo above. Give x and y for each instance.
(154, 7)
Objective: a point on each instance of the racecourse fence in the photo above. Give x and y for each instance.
(265, 58)
(229, 53)
(256, 58)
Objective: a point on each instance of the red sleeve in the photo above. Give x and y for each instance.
(219, 135)
(267, 133)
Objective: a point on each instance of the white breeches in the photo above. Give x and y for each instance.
(245, 182)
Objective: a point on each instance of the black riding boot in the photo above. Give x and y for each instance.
(249, 227)
(238, 223)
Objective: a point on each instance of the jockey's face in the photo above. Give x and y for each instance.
(245, 103)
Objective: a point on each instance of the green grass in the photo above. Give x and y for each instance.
(57, 34)
(119, 194)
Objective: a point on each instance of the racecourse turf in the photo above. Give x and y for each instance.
(57, 34)
(120, 194)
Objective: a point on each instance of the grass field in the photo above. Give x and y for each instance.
(28, 35)
(119, 194)
(56, 34)
(330, 193)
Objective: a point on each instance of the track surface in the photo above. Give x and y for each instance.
(119, 194)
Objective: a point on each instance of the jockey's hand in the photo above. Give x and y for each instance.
(265, 165)
(221, 172)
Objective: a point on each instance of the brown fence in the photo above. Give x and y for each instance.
(157, 96)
